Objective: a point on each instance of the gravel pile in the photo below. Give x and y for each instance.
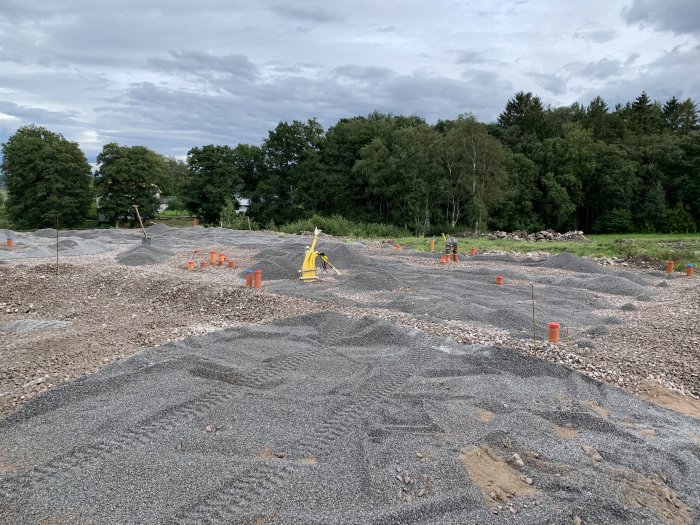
(143, 254)
(329, 420)
(23, 326)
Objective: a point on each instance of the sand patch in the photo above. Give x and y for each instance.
(564, 432)
(602, 412)
(265, 519)
(675, 401)
(310, 460)
(497, 481)
(265, 454)
(640, 492)
(648, 432)
(484, 416)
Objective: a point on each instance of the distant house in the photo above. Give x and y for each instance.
(242, 205)
(165, 203)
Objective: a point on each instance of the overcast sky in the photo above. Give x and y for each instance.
(173, 74)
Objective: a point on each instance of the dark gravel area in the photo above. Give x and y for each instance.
(324, 419)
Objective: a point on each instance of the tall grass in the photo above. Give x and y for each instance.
(340, 226)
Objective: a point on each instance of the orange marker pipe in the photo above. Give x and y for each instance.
(212, 258)
(689, 269)
(231, 263)
(669, 267)
(190, 265)
(222, 258)
(499, 280)
(249, 278)
(554, 333)
(257, 279)
(455, 257)
(432, 245)
(203, 264)
(472, 252)
(10, 243)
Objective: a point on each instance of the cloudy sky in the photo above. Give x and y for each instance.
(173, 74)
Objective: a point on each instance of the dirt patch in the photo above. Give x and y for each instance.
(310, 460)
(640, 492)
(676, 401)
(648, 432)
(484, 416)
(265, 454)
(497, 481)
(602, 412)
(265, 519)
(564, 432)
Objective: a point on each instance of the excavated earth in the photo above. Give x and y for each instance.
(400, 391)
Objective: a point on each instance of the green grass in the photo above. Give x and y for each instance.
(655, 248)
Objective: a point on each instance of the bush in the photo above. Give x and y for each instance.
(340, 226)
(242, 222)
(615, 221)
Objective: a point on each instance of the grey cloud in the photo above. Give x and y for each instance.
(470, 57)
(203, 63)
(305, 13)
(551, 82)
(602, 69)
(678, 16)
(631, 59)
(599, 36)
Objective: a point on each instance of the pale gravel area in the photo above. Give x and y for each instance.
(120, 309)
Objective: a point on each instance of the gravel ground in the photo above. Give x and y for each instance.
(444, 370)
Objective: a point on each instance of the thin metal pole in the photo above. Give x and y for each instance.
(534, 332)
(57, 244)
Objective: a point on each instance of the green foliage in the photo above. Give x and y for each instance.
(339, 226)
(213, 180)
(679, 220)
(126, 177)
(47, 177)
(243, 222)
(614, 221)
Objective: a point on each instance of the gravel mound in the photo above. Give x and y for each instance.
(628, 307)
(143, 254)
(572, 263)
(23, 326)
(156, 229)
(328, 420)
(49, 233)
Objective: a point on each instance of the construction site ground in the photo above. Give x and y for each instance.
(401, 391)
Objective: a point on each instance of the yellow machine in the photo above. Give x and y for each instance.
(308, 269)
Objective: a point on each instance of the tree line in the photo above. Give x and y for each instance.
(635, 167)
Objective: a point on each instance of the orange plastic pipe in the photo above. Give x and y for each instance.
(203, 264)
(257, 278)
(231, 263)
(499, 280)
(10, 243)
(472, 251)
(222, 259)
(443, 260)
(689, 269)
(212, 258)
(432, 245)
(455, 257)
(669, 267)
(554, 333)
(249, 278)
(190, 265)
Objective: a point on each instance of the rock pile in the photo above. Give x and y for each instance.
(544, 235)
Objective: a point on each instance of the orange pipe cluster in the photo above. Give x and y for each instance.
(215, 259)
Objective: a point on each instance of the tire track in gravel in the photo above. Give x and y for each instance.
(228, 504)
(145, 431)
